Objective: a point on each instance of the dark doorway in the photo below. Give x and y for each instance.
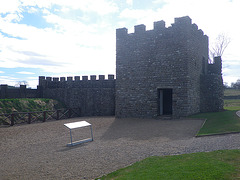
(164, 101)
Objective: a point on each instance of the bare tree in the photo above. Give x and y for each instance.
(21, 83)
(221, 43)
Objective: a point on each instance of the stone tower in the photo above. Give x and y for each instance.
(165, 71)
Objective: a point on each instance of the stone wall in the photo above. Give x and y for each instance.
(212, 88)
(163, 58)
(21, 92)
(163, 67)
(95, 97)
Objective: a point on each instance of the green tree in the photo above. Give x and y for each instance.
(236, 85)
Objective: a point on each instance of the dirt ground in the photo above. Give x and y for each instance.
(39, 151)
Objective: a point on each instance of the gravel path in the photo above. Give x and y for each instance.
(238, 113)
(38, 151)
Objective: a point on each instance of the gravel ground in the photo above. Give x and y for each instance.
(39, 151)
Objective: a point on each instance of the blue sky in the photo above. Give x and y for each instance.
(77, 37)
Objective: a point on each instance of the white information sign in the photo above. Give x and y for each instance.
(75, 125)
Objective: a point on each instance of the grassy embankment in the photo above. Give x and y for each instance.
(222, 122)
(8, 106)
(224, 164)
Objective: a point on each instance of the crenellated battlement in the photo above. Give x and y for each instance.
(163, 71)
(216, 66)
(94, 95)
(165, 60)
(180, 24)
(76, 78)
(77, 82)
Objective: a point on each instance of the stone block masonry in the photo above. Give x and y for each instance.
(212, 88)
(94, 97)
(21, 92)
(159, 72)
(164, 71)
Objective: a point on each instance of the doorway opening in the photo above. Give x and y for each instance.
(164, 102)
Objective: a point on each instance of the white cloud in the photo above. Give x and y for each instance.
(129, 2)
(159, 1)
(14, 17)
(25, 72)
(32, 78)
(40, 4)
(139, 16)
(1, 72)
(32, 82)
(230, 79)
(78, 45)
(72, 47)
(9, 6)
(135, 13)
(8, 80)
(101, 7)
(213, 17)
(32, 10)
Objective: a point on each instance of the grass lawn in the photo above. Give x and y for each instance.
(231, 92)
(221, 122)
(223, 164)
(232, 104)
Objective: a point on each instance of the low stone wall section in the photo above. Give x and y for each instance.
(95, 97)
(21, 92)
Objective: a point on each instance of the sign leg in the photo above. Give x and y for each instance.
(91, 132)
(71, 135)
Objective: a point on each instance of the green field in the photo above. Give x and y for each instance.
(224, 164)
(232, 104)
(232, 92)
(221, 122)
